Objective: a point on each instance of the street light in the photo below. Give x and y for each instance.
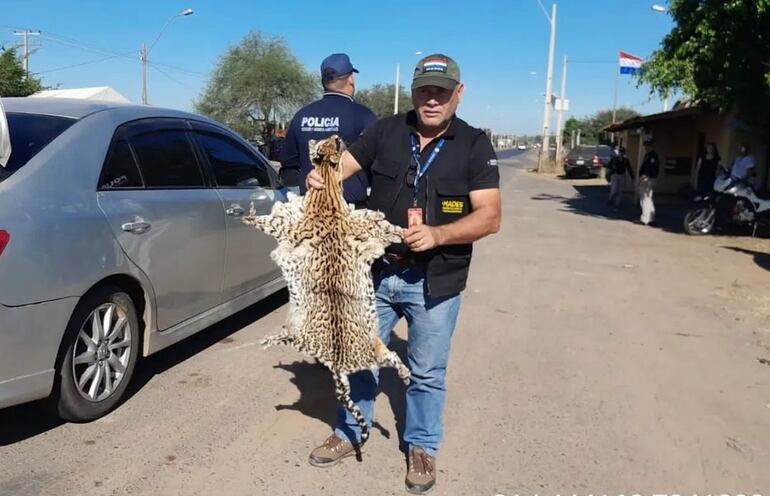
(545, 150)
(145, 51)
(398, 83)
(661, 10)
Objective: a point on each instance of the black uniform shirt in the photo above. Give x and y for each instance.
(466, 162)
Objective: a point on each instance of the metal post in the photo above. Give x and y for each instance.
(26, 34)
(545, 151)
(559, 137)
(398, 83)
(615, 100)
(143, 58)
(578, 138)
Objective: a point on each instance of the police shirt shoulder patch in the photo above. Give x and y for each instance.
(492, 162)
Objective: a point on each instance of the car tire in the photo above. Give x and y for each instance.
(104, 355)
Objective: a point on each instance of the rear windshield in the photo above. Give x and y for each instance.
(604, 151)
(30, 133)
(583, 150)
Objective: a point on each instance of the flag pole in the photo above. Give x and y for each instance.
(615, 101)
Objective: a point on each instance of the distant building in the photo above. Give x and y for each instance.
(680, 136)
(103, 93)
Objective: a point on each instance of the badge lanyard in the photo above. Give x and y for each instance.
(422, 170)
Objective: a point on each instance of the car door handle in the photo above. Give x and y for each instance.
(136, 227)
(235, 211)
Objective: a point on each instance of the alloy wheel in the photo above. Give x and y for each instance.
(101, 352)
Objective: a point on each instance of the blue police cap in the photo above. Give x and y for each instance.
(335, 66)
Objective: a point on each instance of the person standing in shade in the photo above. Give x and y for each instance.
(617, 168)
(648, 176)
(743, 165)
(706, 170)
(335, 113)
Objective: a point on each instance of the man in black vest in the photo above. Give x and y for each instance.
(648, 176)
(616, 170)
(438, 176)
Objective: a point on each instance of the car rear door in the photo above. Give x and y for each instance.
(241, 179)
(165, 215)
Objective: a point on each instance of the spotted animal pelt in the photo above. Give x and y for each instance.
(325, 250)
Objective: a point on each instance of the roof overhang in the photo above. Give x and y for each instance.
(638, 122)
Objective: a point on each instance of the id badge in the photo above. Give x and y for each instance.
(414, 216)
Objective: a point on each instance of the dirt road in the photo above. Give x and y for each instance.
(592, 355)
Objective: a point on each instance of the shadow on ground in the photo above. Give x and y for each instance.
(760, 258)
(591, 200)
(317, 399)
(29, 420)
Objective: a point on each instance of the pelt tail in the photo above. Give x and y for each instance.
(342, 389)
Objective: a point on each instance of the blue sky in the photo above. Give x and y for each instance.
(496, 43)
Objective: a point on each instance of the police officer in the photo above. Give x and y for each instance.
(335, 113)
(648, 176)
(617, 168)
(438, 176)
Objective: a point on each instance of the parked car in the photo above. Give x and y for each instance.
(521, 147)
(587, 160)
(120, 234)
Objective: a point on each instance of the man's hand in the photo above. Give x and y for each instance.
(423, 237)
(314, 180)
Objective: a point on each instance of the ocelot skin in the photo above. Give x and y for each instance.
(325, 251)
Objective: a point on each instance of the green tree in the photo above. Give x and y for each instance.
(592, 127)
(717, 54)
(13, 81)
(379, 99)
(256, 83)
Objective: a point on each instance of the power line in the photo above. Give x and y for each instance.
(80, 64)
(155, 66)
(87, 48)
(180, 70)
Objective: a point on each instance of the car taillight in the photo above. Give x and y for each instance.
(5, 237)
(596, 160)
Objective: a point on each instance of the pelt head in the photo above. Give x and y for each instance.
(326, 157)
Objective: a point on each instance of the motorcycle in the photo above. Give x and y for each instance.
(733, 202)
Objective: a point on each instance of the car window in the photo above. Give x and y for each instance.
(30, 133)
(582, 150)
(120, 170)
(604, 151)
(233, 166)
(166, 160)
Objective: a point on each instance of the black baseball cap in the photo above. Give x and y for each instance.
(336, 66)
(436, 70)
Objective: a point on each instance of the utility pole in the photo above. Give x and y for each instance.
(143, 58)
(398, 83)
(562, 108)
(545, 151)
(26, 34)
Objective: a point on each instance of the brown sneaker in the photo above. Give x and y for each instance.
(332, 451)
(421, 475)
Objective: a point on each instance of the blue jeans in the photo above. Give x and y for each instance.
(431, 322)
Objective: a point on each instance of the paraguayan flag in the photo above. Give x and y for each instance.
(630, 64)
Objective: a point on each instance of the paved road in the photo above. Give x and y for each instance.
(592, 355)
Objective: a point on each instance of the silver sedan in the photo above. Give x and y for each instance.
(120, 234)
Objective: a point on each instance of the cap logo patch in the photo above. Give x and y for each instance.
(435, 65)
